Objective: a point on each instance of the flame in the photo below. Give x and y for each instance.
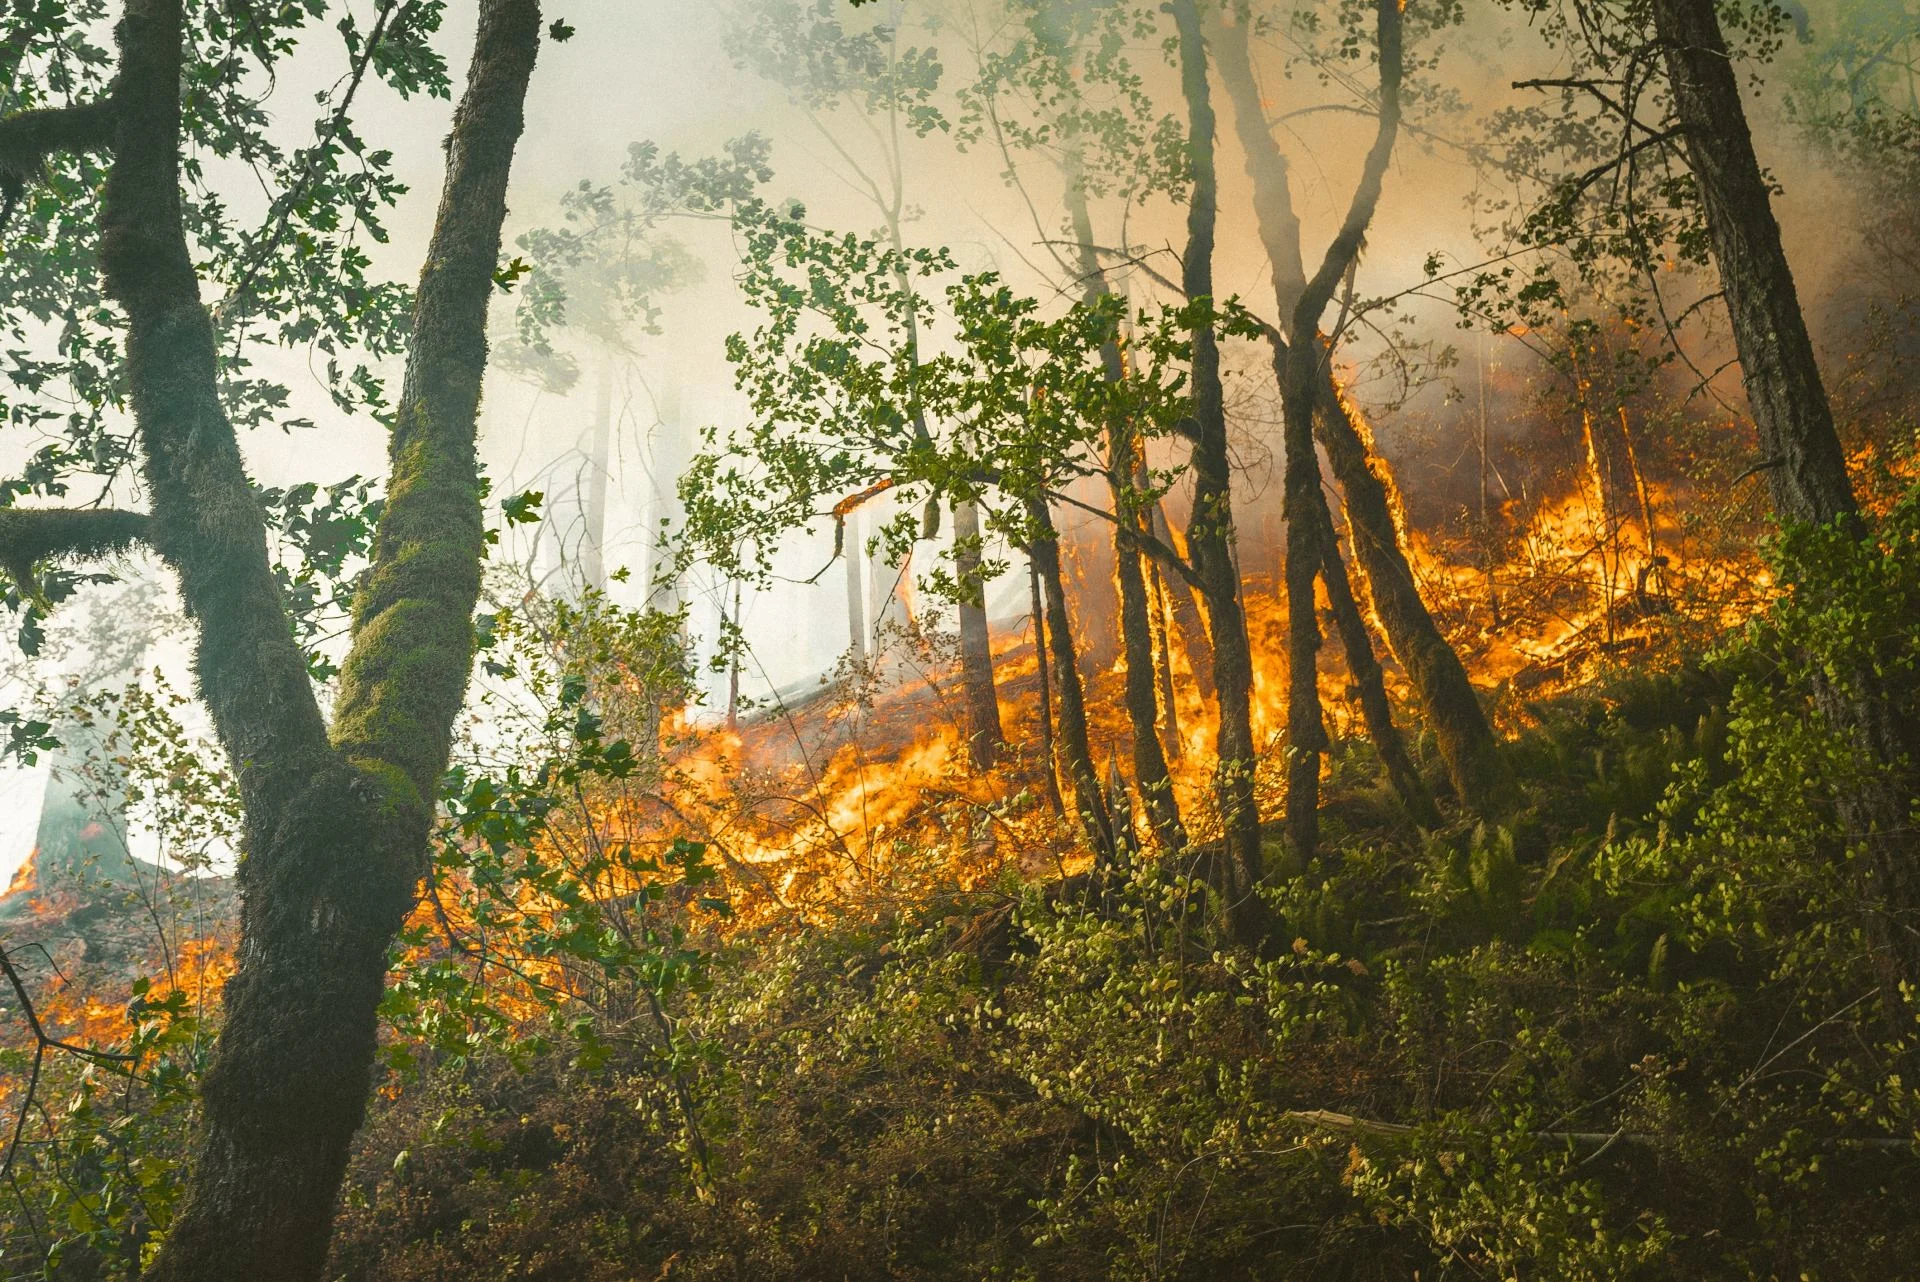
(25, 878)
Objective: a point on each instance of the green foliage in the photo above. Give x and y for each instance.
(322, 545)
(545, 910)
(824, 63)
(877, 368)
(298, 278)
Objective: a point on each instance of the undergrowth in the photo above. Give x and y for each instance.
(1633, 1031)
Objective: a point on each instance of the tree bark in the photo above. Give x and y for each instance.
(1307, 522)
(1369, 682)
(1805, 469)
(1802, 459)
(1160, 621)
(1210, 530)
(1480, 773)
(1150, 773)
(1047, 755)
(854, 551)
(1441, 687)
(335, 826)
(984, 735)
(1280, 235)
(1070, 738)
(1185, 611)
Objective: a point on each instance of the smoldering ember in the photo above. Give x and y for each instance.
(1041, 640)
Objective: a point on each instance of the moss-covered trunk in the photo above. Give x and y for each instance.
(335, 826)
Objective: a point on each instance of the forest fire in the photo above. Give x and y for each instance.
(1109, 640)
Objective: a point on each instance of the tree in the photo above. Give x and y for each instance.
(595, 280)
(1050, 69)
(826, 66)
(1210, 531)
(1479, 773)
(845, 401)
(1309, 554)
(1802, 460)
(1653, 163)
(336, 815)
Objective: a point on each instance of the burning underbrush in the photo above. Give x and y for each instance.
(1522, 1048)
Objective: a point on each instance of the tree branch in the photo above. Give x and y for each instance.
(31, 535)
(28, 535)
(405, 678)
(206, 522)
(1324, 1119)
(30, 137)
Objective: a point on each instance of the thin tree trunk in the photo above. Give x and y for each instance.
(1159, 618)
(1210, 531)
(984, 735)
(593, 505)
(1369, 682)
(1047, 755)
(1481, 775)
(335, 831)
(1488, 540)
(1467, 744)
(1802, 460)
(1070, 741)
(853, 550)
(1180, 602)
(1150, 772)
(1307, 525)
(1307, 553)
(733, 667)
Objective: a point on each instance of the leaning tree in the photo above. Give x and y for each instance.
(117, 232)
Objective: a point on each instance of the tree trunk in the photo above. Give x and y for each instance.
(335, 832)
(1369, 682)
(1306, 726)
(1159, 619)
(984, 736)
(1804, 465)
(1180, 604)
(1210, 531)
(733, 667)
(1150, 772)
(593, 499)
(1070, 740)
(1307, 523)
(1280, 234)
(853, 550)
(1479, 773)
(1047, 755)
(1805, 468)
